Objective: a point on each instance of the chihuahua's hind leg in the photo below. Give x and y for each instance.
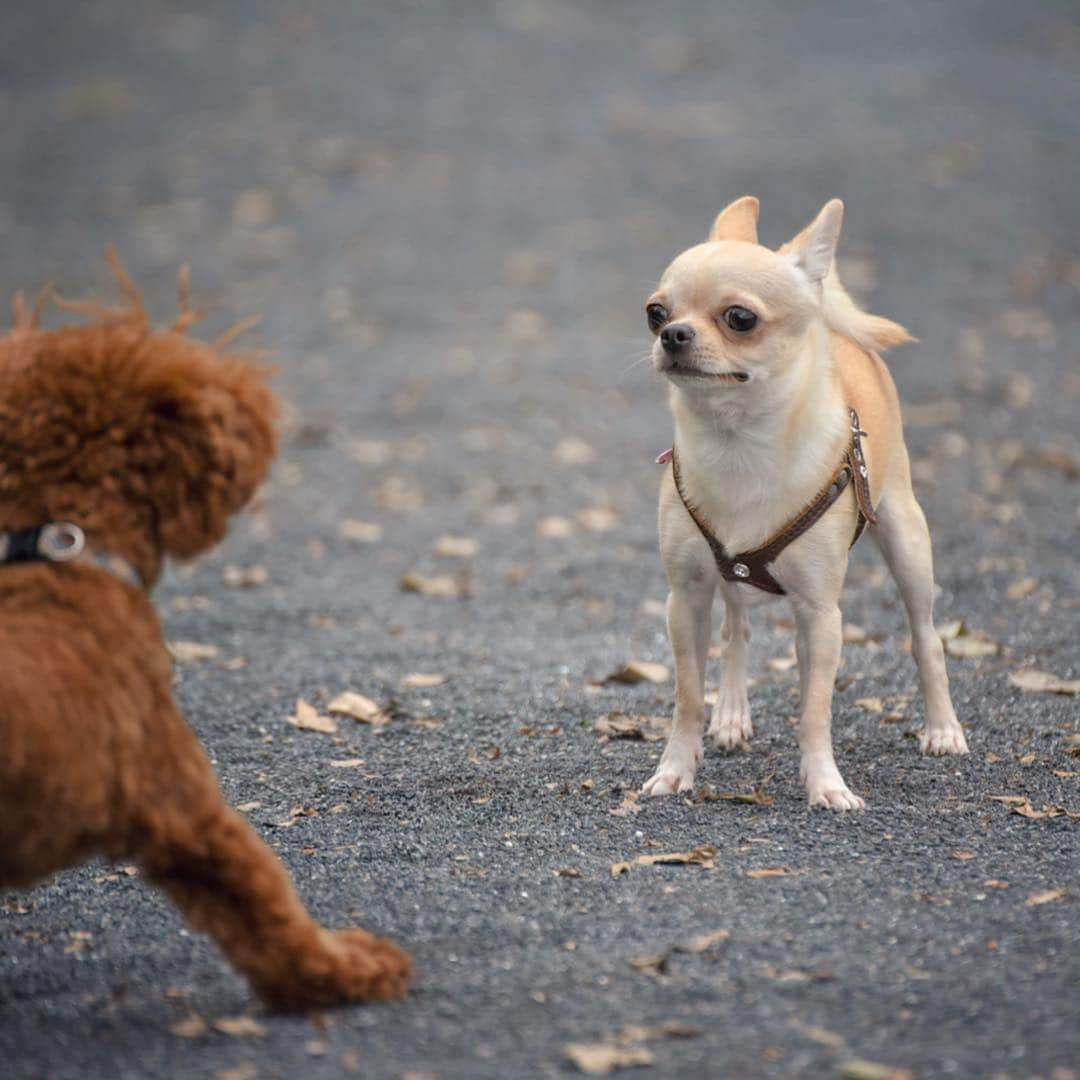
(730, 727)
(689, 612)
(819, 633)
(904, 540)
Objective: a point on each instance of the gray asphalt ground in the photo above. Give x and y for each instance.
(450, 216)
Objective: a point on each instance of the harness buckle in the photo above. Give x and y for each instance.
(61, 541)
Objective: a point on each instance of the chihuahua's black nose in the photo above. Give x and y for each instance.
(677, 336)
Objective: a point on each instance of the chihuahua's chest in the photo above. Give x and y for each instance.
(747, 492)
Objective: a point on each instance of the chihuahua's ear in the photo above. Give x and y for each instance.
(813, 249)
(737, 221)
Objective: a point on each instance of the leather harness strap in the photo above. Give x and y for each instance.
(752, 567)
(60, 542)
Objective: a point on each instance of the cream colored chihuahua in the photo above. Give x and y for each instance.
(787, 442)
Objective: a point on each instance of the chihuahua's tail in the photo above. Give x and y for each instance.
(844, 316)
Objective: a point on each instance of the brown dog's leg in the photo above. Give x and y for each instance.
(229, 884)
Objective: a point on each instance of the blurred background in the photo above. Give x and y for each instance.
(449, 215)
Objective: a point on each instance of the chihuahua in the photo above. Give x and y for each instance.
(774, 373)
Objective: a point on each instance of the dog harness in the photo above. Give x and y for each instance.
(61, 542)
(752, 567)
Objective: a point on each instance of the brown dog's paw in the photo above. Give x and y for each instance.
(338, 967)
(373, 969)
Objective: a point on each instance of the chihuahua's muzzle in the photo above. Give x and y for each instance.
(677, 338)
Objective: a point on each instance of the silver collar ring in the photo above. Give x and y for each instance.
(61, 541)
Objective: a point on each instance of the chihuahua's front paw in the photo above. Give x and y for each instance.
(675, 773)
(835, 797)
(825, 787)
(730, 727)
(948, 740)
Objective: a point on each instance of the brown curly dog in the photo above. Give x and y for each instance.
(147, 442)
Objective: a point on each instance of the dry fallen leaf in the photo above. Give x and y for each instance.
(1022, 588)
(655, 964)
(628, 806)
(703, 942)
(308, 718)
(247, 1071)
(699, 856)
(188, 652)
(620, 725)
(597, 518)
(422, 680)
(359, 707)
(782, 663)
(1043, 682)
(599, 1059)
(360, 532)
(870, 704)
(796, 975)
(636, 671)
(369, 451)
(819, 1034)
(554, 527)
(770, 871)
(239, 1026)
(1047, 896)
(858, 1069)
(963, 854)
(347, 763)
(574, 451)
(568, 871)
(623, 1048)
(440, 585)
(1021, 804)
(968, 643)
(245, 577)
(456, 547)
(757, 797)
(189, 1028)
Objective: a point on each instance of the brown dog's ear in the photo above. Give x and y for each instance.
(210, 434)
(814, 248)
(737, 221)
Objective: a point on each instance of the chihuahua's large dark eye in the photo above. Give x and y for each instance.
(740, 319)
(657, 315)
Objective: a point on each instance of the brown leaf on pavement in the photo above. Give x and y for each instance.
(859, 1069)
(359, 707)
(600, 1059)
(972, 644)
(188, 652)
(245, 577)
(442, 585)
(620, 725)
(628, 806)
(699, 856)
(239, 1027)
(422, 680)
(456, 547)
(190, 1027)
(1046, 896)
(636, 671)
(308, 718)
(1043, 682)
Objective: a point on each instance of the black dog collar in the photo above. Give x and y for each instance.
(60, 542)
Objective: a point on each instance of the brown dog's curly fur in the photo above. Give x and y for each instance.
(149, 441)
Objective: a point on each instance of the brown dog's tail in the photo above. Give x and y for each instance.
(843, 315)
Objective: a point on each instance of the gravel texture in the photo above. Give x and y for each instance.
(450, 215)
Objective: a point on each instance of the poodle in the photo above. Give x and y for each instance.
(119, 446)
